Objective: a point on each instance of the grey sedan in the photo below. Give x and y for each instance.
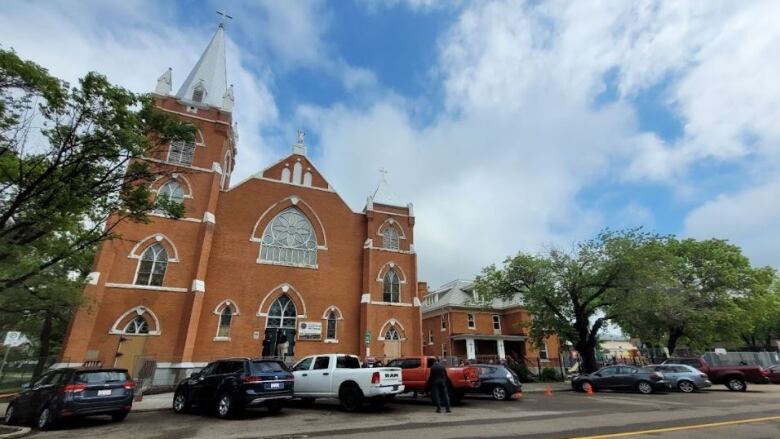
(683, 377)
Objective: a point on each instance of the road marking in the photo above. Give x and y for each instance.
(683, 428)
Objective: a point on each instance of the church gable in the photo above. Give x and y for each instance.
(297, 170)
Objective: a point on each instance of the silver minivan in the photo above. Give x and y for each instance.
(683, 377)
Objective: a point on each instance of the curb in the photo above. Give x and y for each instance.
(23, 431)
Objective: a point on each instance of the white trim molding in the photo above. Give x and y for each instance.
(365, 298)
(294, 200)
(198, 286)
(93, 277)
(209, 217)
(392, 223)
(395, 323)
(227, 302)
(158, 237)
(416, 302)
(139, 310)
(146, 287)
(285, 287)
(377, 302)
(380, 277)
(339, 315)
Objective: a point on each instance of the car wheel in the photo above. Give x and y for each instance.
(225, 407)
(686, 386)
(736, 385)
(644, 388)
(45, 419)
(10, 416)
(275, 407)
(181, 403)
(585, 385)
(499, 393)
(351, 398)
(119, 417)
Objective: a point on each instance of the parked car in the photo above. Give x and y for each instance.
(229, 386)
(498, 381)
(683, 377)
(621, 378)
(417, 371)
(73, 392)
(774, 373)
(735, 378)
(340, 376)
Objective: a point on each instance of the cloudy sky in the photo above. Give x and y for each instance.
(511, 125)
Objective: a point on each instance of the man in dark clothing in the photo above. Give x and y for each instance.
(437, 382)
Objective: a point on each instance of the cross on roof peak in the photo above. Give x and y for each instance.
(223, 13)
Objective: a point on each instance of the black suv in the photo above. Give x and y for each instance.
(70, 392)
(228, 386)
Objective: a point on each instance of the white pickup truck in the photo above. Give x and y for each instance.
(340, 376)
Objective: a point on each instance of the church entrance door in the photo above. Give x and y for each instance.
(280, 328)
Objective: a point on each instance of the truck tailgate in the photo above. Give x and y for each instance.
(390, 376)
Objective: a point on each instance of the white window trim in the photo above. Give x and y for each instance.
(546, 352)
(471, 320)
(391, 265)
(146, 287)
(139, 310)
(157, 237)
(293, 200)
(221, 338)
(494, 321)
(381, 303)
(443, 324)
(392, 222)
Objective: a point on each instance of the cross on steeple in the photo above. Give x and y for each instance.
(383, 171)
(224, 15)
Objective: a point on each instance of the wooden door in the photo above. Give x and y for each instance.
(392, 349)
(131, 347)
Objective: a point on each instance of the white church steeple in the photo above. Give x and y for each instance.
(207, 83)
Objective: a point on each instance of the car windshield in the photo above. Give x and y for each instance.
(101, 377)
(268, 367)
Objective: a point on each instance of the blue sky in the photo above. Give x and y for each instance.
(511, 125)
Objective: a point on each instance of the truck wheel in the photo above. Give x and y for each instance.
(499, 393)
(351, 398)
(736, 384)
(686, 386)
(644, 388)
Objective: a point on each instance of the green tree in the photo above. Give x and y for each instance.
(689, 296)
(758, 314)
(571, 294)
(71, 167)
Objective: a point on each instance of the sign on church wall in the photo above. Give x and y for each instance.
(310, 330)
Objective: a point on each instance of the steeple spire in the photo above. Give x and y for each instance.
(207, 83)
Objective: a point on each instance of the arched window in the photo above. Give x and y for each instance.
(390, 238)
(151, 268)
(282, 314)
(172, 189)
(138, 325)
(330, 333)
(224, 322)
(289, 239)
(392, 334)
(181, 152)
(198, 93)
(392, 290)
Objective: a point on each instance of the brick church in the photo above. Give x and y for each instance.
(277, 264)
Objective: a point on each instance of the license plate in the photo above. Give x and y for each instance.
(104, 392)
(275, 386)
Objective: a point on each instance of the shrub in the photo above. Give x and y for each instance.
(549, 374)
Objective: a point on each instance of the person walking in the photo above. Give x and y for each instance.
(437, 382)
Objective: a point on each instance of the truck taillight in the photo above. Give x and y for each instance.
(375, 378)
(129, 385)
(74, 388)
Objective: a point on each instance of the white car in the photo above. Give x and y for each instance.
(340, 376)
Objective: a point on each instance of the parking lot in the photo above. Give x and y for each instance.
(713, 414)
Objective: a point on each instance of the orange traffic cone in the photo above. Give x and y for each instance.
(548, 390)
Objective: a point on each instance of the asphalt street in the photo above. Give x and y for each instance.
(713, 414)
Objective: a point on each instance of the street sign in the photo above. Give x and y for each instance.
(13, 339)
(368, 337)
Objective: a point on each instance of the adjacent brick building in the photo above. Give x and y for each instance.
(277, 256)
(456, 323)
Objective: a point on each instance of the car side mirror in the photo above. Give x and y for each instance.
(25, 386)
(195, 375)
(597, 374)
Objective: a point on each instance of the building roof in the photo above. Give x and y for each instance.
(210, 73)
(460, 293)
(384, 194)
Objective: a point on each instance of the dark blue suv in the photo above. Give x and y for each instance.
(67, 393)
(228, 386)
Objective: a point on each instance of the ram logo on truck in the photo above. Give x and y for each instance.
(391, 375)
